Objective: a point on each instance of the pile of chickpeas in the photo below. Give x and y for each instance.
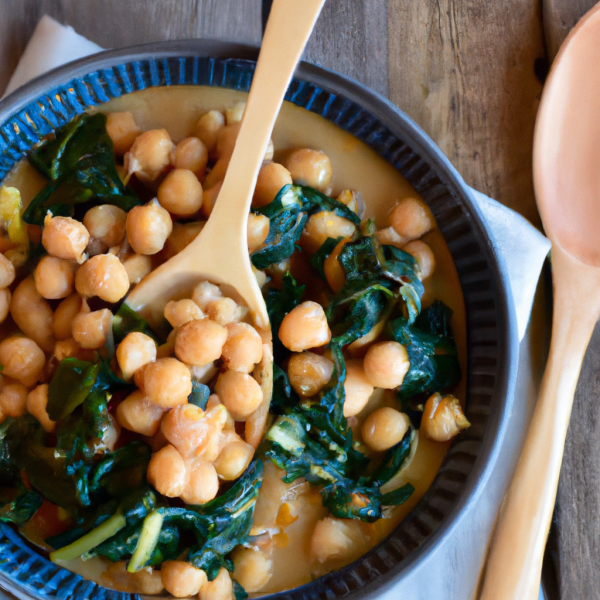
(60, 311)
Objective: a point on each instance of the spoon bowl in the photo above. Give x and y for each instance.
(567, 184)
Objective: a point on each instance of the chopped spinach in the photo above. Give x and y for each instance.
(319, 257)
(434, 364)
(287, 214)
(79, 162)
(126, 320)
(200, 394)
(20, 509)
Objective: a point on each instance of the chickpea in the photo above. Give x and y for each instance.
(190, 154)
(225, 311)
(64, 237)
(235, 113)
(323, 225)
(271, 178)
(91, 330)
(202, 484)
(304, 327)
(5, 296)
(167, 382)
(208, 128)
(180, 193)
(220, 588)
(37, 401)
(240, 394)
(336, 278)
(310, 167)
(137, 413)
(106, 223)
(7, 272)
(351, 199)
(111, 434)
(147, 581)
(22, 359)
(309, 373)
(179, 312)
(258, 230)
(210, 197)
(167, 472)
(181, 579)
(103, 276)
(384, 428)
(135, 350)
(389, 237)
(148, 228)
(214, 401)
(70, 348)
(193, 432)
(424, 256)
(411, 218)
(54, 277)
(386, 364)
(181, 237)
(122, 129)
(443, 418)
(137, 266)
(243, 347)
(13, 400)
(64, 315)
(357, 387)
(233, 460)
(204, 293)
(200, 342)
(150, 154)
(95, 247)
(32, 314)
(252, 569)
(332, 539)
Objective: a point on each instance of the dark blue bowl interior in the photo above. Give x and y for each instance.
(54, 99)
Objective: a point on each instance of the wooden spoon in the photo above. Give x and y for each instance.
(220, 253)
(567, 183)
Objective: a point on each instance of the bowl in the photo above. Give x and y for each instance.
(492, 340)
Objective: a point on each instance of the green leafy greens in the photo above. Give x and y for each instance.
(79, 163)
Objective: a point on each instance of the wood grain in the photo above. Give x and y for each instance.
(116, 23)
(464, 71)
(560, 16)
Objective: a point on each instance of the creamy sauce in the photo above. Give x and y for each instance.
(355, 166)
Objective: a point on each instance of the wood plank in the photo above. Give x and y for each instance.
(117, 23)
(577, 513)
(351, 38)
(464, 71)
(560, 16)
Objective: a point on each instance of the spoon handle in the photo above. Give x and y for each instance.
(515, 559)
(288, 29)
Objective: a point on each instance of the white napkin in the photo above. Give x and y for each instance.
(521, 245)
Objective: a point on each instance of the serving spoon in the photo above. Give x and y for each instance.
(220, 252)
(566, 164)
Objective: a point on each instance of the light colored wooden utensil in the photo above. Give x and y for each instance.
(567, 183)
(220, 252)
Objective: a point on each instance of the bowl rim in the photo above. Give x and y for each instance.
(405, 128)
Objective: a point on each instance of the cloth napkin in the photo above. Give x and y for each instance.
(524, 250)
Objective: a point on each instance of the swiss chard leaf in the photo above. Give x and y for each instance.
(79, 162)
(69, 387)
(434, 364)
(22, 508)
(319, 257)
(200, 394)
(287, 214)
(127, 320)
(394, 459)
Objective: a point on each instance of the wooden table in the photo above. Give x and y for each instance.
(470, 73)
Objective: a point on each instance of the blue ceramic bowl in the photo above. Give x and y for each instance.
(55, 98)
